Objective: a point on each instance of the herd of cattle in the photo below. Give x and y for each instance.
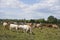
(28, 26)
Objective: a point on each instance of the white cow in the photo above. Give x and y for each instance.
(13, 26)
(5, 24)
(25, 27)
(55, 26)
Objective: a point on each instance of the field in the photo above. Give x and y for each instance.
(38, 34)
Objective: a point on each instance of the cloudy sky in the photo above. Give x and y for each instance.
(29, 9)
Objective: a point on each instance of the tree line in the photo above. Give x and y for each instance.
(50, 19)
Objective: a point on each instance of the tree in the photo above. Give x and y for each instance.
(52, 19)
(32, 21)
(58, 20)
(40, 21)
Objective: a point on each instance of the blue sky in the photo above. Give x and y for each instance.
(29, 9)
(30, 2)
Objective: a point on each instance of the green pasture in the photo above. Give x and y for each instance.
(38, 34)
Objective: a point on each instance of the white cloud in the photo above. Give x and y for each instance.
(48, 4)
(12, 3)
(56, 8)
(51, 4)
(25, 7)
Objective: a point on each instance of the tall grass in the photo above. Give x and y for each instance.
(38, 34)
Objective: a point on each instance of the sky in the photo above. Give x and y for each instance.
(29, 9)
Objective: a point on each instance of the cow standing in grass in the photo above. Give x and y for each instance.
(5, 24)
(37, 25)
(25, 28)
(55, 26)
(12, 26)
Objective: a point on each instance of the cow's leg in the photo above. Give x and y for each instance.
(16, 28)
(24, 30)
(30, 30)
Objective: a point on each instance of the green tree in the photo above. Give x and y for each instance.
(58, 20)
(40, 21)
(32, 21)
(52, 19)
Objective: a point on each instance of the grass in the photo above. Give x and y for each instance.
(38, 34)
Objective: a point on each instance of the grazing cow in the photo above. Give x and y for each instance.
(25, 27)
(37, 25)
(13, 26)
(55, 26)
(5, 24)
(48, 25)
(30, 24)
